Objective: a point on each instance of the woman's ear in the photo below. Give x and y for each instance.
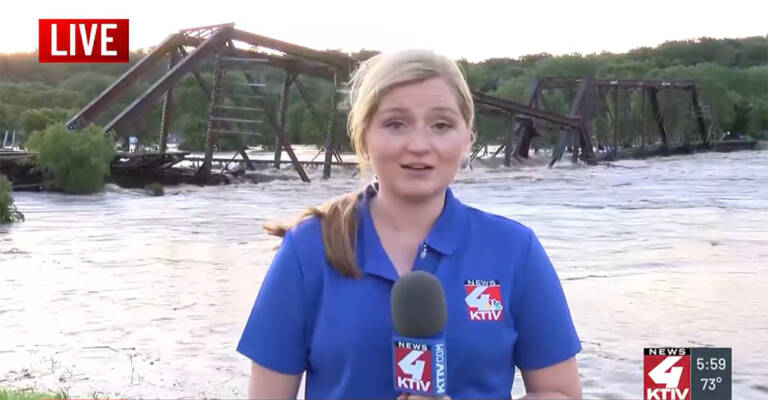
(472, 139)
(364, 151)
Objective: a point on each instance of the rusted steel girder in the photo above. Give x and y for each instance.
(523, 131)
(615, 149)
(659, 118)
(526, 133)
(312, 111)
(281, 110)
(269, 113)
(337, 60)
(584, 139)
(580, 99)
(699, 117)
(88, 113)
(166, 118)
(199, 78)
(518, 108)
(241, 142)
(515, 130)
(576, 134)
(329, 138)
(308, 103)
(206, 39)
(288, 63)
(202, 32)
(211, 134)
(575, 123)
(210, 45)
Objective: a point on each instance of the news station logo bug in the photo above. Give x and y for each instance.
(83, 41)
(666, 373)
(483, 298)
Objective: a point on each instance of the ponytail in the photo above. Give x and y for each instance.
(338, 222)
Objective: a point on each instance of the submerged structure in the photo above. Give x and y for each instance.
(609, 101)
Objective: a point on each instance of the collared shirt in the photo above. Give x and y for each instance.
(505, 304)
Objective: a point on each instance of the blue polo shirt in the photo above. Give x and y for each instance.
(506, 308)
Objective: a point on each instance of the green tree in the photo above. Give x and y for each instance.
(77, 161)
(759, 118)
(624, 70)
(8, 211)
(742, 115)
(193, 128)
(39, 119)
(516, 88)
(88, 83)
(573, 65)
(9, 117)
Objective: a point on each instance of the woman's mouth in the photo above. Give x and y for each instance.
(416, 166)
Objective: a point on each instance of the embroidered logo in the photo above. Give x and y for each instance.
(483, 299)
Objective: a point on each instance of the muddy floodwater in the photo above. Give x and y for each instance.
(121, 294)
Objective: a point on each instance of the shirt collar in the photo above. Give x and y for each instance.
(444, 237)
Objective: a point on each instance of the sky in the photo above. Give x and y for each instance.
(471, 29)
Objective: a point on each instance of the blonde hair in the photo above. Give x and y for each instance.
(374, 78)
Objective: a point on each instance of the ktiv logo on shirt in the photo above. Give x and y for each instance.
(483, 299)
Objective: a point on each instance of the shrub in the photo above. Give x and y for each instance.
(8, 211)
(77, 161)
(40, 118)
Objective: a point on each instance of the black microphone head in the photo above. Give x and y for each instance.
(418, 305)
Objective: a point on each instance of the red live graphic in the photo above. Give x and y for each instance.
(83, 41)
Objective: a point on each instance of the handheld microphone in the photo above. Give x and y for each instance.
(418, 315)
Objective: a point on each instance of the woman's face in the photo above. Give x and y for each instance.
(417, 139)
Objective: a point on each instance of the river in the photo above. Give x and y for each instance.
(122, 294)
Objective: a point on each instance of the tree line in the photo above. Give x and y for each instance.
(732, 76)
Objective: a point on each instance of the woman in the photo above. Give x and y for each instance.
(323, 307)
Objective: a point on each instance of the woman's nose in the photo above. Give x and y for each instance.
(418, 140)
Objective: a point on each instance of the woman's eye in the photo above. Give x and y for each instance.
(394, 125)
(441, 126)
